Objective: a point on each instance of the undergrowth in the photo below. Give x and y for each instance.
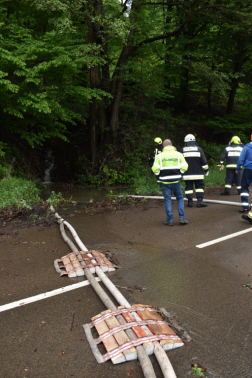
(18, 192)
(56, 199)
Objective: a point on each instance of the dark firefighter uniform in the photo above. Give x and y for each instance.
(232, 154)
(197, 162)
(158, 149)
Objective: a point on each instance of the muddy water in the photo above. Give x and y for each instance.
(201, 287)
(80, 194)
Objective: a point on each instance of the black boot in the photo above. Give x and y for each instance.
(246, 218)
(190, 202)
(225, 193)
(200, 203)
(242, 210)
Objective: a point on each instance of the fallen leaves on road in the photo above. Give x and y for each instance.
(129, 373)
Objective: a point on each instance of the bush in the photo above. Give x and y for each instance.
(18, 192)
(56, 199)
(212, 151)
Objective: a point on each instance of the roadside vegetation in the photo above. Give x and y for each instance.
(18, 193)
(147, 186)
(149, 70)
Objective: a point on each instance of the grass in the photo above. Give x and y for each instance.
(147, 187)
(215, 178)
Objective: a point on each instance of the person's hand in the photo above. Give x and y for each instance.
(207, 173)
(222, 167)
(237, 172)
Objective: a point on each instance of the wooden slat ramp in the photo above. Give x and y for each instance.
(151, 327)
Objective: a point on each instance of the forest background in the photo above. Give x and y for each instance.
(96, 80)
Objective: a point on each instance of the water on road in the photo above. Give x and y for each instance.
(203, 288)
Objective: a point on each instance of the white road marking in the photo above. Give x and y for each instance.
(48, 294)
(223, 238)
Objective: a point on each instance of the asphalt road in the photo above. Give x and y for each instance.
(203, 288)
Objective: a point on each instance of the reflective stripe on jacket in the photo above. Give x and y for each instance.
(169, 165)
(231, 154)
(196, 161)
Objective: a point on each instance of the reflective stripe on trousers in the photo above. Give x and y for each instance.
(199, 188)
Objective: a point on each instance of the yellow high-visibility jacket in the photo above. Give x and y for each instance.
(169, 165)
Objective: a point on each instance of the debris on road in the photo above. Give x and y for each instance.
(168, 316)
(72, 324)
(129, 288)
(249, 286)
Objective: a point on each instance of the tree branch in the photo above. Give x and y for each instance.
(174, 32)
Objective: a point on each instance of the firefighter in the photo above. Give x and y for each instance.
(158, 149)
(197, 162)
(231, 154)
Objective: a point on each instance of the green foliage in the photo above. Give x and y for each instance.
(41, 77)
(18, 193)
(56, 199)
(146, 186)
(230, 125)
(212, 151)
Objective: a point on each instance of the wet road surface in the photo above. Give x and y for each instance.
(202, 287)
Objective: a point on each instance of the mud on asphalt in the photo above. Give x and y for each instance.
(203, 288)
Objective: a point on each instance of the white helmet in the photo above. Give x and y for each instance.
(189, 138)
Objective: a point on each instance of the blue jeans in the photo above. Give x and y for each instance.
(167, 192)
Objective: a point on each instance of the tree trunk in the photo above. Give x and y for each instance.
(209, 93)
(167, 65)
(102, 119)
(118, 76)
(184, 89)
(92, 128)
(230, 105)
(95, 77)
(237, 62)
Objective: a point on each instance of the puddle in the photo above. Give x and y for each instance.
(80, 194)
